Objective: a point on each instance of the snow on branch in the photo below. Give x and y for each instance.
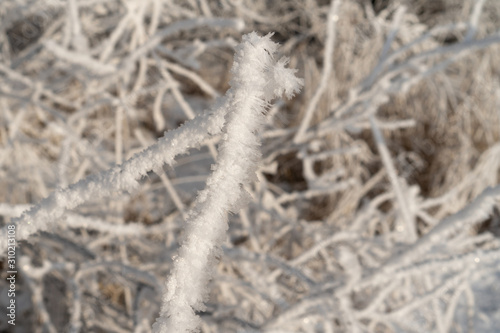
(257, 79)
(120, 178)
(474, 213)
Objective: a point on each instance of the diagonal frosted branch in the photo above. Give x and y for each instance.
(79, 59)
(474, 213)
(120, 178)
(179, 27)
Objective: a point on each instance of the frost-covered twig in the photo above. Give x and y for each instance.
(257, 79)
(83, 60)
(328, 68)
(178, 27)
(409, 228)
(120, 178)
(476, 212)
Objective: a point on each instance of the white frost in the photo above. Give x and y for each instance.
(257, 78)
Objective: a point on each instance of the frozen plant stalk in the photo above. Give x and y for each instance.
(257, 79)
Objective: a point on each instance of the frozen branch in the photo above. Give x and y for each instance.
(257, 79)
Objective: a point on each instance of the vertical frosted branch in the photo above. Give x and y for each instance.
(327, 70)
(257, 78)
(409, 226)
